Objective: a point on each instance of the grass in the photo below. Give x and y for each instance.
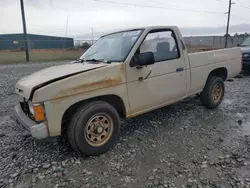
(7, 57)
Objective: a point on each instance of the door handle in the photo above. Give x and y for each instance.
(179, 69)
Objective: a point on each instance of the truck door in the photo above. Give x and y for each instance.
(163, 82)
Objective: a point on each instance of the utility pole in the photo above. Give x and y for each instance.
(64, 41)
(25, 32)
(92, 35)
(66, 30)
(228, 20)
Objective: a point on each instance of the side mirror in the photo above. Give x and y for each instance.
(146, 58)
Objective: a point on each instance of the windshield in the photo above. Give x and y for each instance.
(246, 42)
(113, 47)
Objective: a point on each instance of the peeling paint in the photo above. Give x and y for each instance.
(100, 83)
(90, 86)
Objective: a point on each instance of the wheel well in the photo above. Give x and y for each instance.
(113, 100)
(220, 72)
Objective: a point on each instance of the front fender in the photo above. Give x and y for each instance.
(56, 108)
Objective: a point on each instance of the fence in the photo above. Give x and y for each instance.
(42, 50)
(12, 51)
(214, 41)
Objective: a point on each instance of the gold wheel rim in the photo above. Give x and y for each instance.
(217, 93)
(99, 129)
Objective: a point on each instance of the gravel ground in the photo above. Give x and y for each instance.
(182, 145)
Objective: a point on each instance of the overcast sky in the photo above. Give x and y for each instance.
(50, 16)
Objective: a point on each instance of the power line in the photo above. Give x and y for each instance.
(237, 3)
(243, 3)
(3, 32)
(244, 6)
(158, 7)
(222, 1)
(42, 27)
(241, 18)
(157, 1)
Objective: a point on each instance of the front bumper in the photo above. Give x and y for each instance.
(37, 130)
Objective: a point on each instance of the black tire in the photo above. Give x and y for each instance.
(207, 93)
(77, 128)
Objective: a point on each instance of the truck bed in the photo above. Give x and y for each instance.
(202, 63)
(213, 56)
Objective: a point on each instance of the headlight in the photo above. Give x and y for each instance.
(37, 110)
(31, 107)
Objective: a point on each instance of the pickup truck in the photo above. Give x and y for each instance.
(122, 75)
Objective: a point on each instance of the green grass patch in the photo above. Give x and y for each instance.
(7, 57)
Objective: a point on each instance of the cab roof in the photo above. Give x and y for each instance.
(142, 28)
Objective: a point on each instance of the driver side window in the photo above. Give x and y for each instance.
(162, 44)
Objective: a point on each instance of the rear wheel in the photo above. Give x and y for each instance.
(213, 92)
(94, 128)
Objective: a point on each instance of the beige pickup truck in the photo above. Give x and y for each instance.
(122, 75)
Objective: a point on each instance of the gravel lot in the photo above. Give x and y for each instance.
(183, 145)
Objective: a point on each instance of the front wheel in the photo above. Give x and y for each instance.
(213, 92)
(94, 128)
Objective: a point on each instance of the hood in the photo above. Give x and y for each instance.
(27, 85)
(245, 49)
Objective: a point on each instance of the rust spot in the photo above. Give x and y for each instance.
(122, 68)
(47, 127)
(134, 112)
(142, 110)
(99, 84)
(130, 116)
(91, 86)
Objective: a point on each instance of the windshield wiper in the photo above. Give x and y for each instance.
(80, 60)
(98, 60)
